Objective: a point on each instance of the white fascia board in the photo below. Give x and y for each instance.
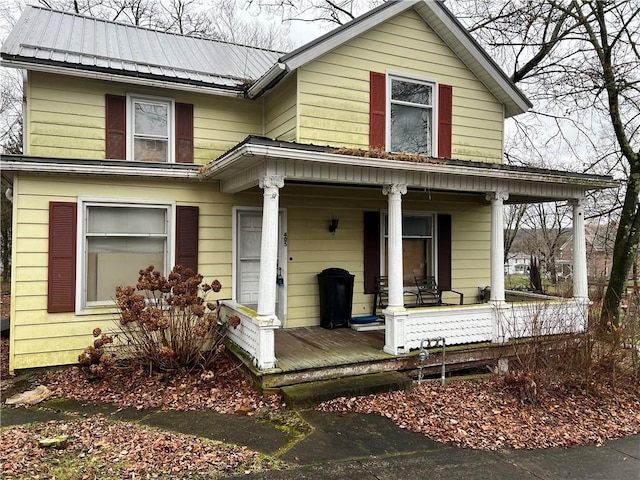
(334, 41)
(112, 77)
(274, 152)
(92, 169)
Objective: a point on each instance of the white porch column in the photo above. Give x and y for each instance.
(499, 327)
(271, 184)
(394, 193)
(580, 283)
(395, 313)
(497, 245)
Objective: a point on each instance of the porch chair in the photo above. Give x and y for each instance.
(429, 294)
(381, 295)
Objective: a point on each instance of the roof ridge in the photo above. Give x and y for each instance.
(149, 29)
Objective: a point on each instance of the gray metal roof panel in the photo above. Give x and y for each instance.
(72, 40)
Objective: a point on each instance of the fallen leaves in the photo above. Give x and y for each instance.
(483, 415)
(222, 391)
(97, 448)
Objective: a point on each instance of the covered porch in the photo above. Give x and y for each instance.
(271, 165)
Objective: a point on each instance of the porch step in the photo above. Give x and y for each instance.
(311, 393)
(367, 327)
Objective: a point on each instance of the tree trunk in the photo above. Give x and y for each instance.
(624, 252)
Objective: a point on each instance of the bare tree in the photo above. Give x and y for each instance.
(328, 12)
(579, 62)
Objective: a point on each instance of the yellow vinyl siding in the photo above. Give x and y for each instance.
(333, 94)
(66, 117)
(39, 338)
(280, 111)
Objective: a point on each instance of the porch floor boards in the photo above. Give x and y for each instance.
(316, 347)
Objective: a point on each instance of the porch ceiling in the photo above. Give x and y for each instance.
(241, 168)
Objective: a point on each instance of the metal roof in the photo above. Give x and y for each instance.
(50, 39)
(54, 38)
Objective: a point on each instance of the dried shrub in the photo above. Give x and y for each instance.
(587, 362)
(165, 323)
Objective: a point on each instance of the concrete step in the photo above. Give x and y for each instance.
(309, 394)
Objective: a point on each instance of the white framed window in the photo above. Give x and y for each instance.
(412, 121)
(117, 240)
(150, 128)
(418, 246)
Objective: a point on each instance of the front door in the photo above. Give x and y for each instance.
(248, 239)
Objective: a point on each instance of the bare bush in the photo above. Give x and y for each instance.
(165, 323)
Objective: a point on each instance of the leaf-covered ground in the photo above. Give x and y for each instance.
(483, 414)
(97, 448)
(486, 414)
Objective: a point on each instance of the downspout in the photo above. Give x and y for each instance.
(25, 130)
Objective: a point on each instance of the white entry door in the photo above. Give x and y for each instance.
(248, 239)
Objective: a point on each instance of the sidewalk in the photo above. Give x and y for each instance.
(350, 446)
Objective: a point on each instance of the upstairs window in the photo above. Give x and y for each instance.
(410, 115)
(411, 126)
(148, 129)
(151, 129)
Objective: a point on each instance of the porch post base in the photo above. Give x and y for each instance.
(499, 331)
(394, 333)
(266, 357)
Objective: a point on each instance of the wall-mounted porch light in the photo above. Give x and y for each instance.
(334, 225)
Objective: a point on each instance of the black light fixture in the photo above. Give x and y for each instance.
(334, 225)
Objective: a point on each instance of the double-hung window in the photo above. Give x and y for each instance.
(411, 109)
(151, 129)
(418, 256)
(119, 240)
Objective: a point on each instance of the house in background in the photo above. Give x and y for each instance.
(517, 264)
(144, 147)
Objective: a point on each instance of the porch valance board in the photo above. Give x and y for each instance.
(242, 167)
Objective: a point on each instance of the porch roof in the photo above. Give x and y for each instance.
(241, 167)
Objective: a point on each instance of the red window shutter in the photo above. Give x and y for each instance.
(184, 133)
(371, 250)
(445, 120)
(61, 289)
(377, 110)
(187, 237)
(444, 252)
(116, 127)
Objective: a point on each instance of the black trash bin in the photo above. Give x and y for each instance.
(336, 297)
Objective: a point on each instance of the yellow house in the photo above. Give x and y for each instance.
(376, 149)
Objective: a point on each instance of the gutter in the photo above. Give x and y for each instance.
(269, 79)
(112, 77)
(252, 150)
(12, 164)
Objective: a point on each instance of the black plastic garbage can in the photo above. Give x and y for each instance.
(336, 297)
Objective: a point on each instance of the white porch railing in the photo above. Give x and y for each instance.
(255, 337)
(482, 323)
(404, 330)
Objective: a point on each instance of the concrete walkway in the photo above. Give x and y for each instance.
(355, 446)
